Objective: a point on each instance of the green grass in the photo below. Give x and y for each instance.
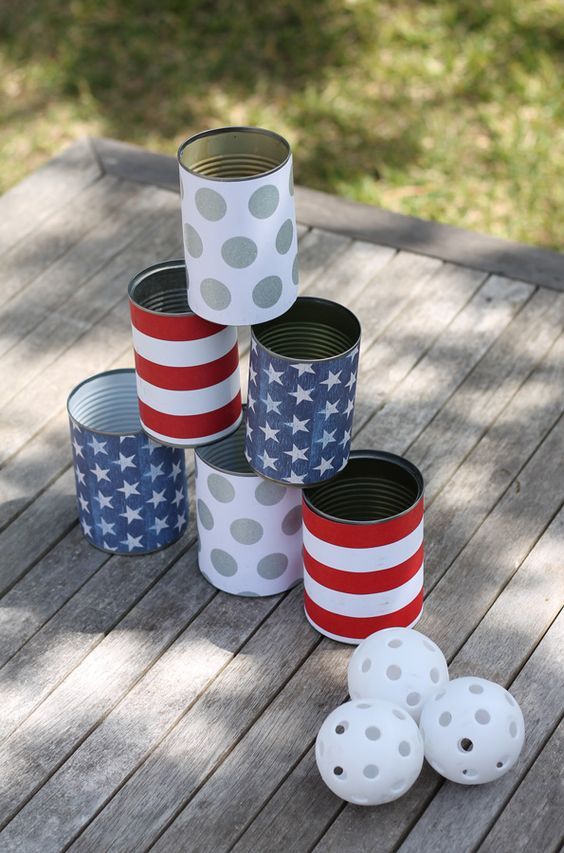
(446, 109)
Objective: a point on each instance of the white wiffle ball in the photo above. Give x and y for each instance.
(397, 664)
(473, 731)
(369, 752)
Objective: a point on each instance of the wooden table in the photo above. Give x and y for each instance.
(141, 707)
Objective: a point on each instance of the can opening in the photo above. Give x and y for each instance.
(106, 403)
(228, 454)
(312, 329)
(162, 289)
(232, 153)
(374, 486)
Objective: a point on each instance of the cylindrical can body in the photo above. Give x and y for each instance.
(239, 224)
(302, 382)
(131, 493)
(363, 548)
(250, 529)
(187, 368)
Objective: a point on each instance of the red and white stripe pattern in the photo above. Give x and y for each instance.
(360, 578)
(188, 380)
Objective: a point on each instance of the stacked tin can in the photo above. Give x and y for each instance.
(362, 520)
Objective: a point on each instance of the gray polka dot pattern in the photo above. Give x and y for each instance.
(272, 566)
(215, 294)
(246, 531)
(223, 562)
(193, 241)
(296, 271)
(268, 291)
(221, 488)
(211, 204)
(239, 252)
(292, 521)
(284, 237)
(204, 514)
(264, 201)
(268, 493)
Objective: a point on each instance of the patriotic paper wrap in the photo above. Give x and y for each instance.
(250, 530)
(300, 411)
(239, 224)
(362, 576)
(131, 493)
(188, 380)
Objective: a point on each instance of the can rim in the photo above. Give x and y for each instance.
(385, 456)
(147, 273)
(320, 301)
(76, 388)
(215, 131)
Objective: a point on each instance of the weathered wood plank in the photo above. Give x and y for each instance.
(46, 190)
(533, 818)
(45, 589)
(219, 718)
(55, 815)
(71, 711)
(367, 222)
(427, 387)
(466, 416)
(30, 258)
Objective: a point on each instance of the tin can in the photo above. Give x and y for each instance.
(187, 368)
(131, 493)
(302, 383)
(363, 548)
(250, 529)
(239, 224)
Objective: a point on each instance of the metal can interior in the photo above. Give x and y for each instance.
(311, 330)
(228, 454)
(161, 289)
(234, 153)
(106, 403)
(374, 486)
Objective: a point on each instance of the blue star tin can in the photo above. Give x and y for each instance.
(131, 493)
(302, 383)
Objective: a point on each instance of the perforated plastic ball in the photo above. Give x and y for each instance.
(473, 731)
(397, 664)
(369, 752)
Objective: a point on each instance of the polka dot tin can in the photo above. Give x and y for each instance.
(131, 493)
(363, 547)
(302, 384)
(250, 529)
(239, 226)
(187, 368)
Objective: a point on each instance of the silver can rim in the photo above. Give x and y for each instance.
(103, 373)
(216, 131)
(147, 273)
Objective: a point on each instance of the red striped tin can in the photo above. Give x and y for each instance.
(363, 547)
(187, 368)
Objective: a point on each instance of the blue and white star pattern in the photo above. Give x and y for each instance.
(299, 415)
(131, 493)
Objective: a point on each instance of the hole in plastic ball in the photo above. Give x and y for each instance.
(404, 748)
(465, 745)
(393, 672)
(370, 771)
(481, 716)
(372, 733)
(510, 699)
(397, 787)
(364, 705)
(429, 645)
(435, 675)
(470, 774)
(395, 644)
(499, 765)
(366, 664)
(398, 714)
(338, 771)
(341, 728)
(513, 728)
(445, 719)
(413, 699)
(440, 695)
(476, 688)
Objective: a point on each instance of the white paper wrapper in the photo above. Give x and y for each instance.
(250, 529)
(240, 240)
